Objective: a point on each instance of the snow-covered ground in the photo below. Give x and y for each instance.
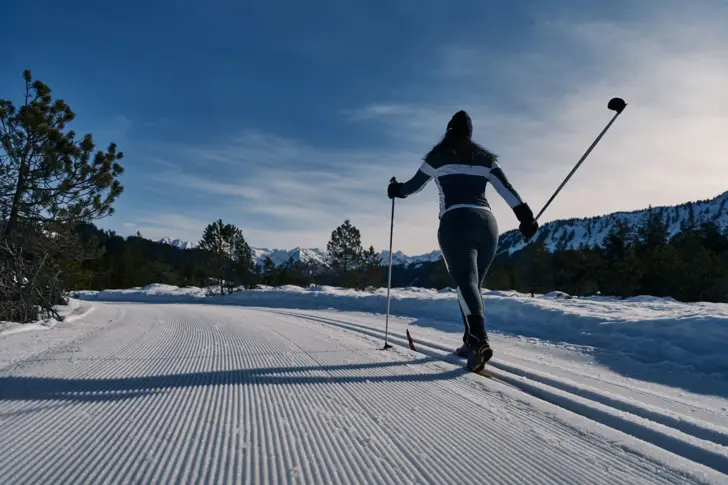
(643, 336)
(73, 311)
(289, 386)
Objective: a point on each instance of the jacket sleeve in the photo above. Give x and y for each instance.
(498, 178)
(419, 180)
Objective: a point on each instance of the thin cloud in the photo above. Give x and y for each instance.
(294, 193)
(249, 148)
(166, 164)
(158, 226)
(547, 102)
(196, 183)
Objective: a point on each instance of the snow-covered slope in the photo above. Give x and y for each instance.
(280, 256)
(178, 243)
(573, 233)
(221, 394)
(315, 255)
(401, 259)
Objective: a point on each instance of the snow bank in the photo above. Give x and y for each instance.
(648, 329)
(155, 293)
(75, 310)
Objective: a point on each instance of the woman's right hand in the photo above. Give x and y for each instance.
(394, 189)
(528, 229)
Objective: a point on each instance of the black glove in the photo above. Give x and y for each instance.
(528, 226)
(394, 190)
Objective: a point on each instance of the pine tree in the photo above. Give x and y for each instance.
(242, 257)
(294, 272)
(617, 242)
(269, 271)
(653, 230)
(440, 277)
(712, 237)
(583, 269)
(662, 270)
(344, 250)
(618, 273)
(49, 182)
(372, 272)
(286, 273)
(48, 176)
(532, 269)
(230, 255)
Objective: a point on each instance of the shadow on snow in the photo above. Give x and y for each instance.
(112, 389)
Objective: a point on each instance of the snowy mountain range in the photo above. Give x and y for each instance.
(401, 259)
(280, 256)
(316, 255)
(178, 243)
(590, 232)
(311, 255)
(568, 233)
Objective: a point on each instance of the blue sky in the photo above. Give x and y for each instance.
(288, 117)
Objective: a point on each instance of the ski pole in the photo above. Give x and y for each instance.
(615, 104)
(389, 282)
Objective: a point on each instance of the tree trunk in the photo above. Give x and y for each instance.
(23, 172)
(15, 208)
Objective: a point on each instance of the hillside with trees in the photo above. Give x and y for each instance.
(691, 266)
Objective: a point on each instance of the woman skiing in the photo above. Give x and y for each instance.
(468, 232)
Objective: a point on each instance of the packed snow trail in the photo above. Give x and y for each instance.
(172, 393)
(667, 423)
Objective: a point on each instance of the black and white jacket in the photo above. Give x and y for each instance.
(462, 184)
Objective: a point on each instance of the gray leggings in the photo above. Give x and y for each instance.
(468, 239)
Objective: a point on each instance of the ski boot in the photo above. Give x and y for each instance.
(477, 340)
(463, 351)
(479, 356)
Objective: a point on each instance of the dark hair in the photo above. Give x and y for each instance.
(462, 146)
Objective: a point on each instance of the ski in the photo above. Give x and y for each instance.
(480, 372)
(411, 343)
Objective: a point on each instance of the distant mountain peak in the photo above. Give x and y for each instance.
(281, 256)
(178, 243)
(310, 255)
(401, 259)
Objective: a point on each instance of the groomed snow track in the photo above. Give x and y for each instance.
(151, 394)
(690, 440)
